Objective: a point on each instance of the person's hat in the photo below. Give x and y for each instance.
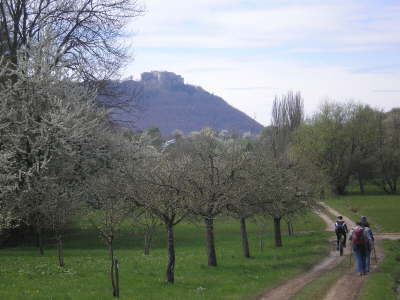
(339, 217)
(363, 219)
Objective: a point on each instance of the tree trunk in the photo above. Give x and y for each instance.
(289, 226)
(277, 231)
(245, 240)
(60, 251)
(147, 243)
(112, 267)
(40, 240)
(340, 189)
(322, 194)
(361, 184)
(393, 185)
(169, 274)
(116, 271)
(212, 258)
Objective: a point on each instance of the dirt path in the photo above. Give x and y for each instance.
(292, 286)
(349, 284)
(347, 287)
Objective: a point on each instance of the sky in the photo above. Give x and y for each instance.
(249, 52)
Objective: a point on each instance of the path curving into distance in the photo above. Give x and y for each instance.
(294, 285)
(348, 286)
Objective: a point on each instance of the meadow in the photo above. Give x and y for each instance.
(382, 210)
(24, 274)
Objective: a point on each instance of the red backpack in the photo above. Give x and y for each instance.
(358, 236)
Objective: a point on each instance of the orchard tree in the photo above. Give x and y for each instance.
(114, 191)
(242, 204)
(111, 209)
(50, 119)
(61, 203)
(242, 207)
(160, 190)
(214, 168)
(283, 192)
(148, 223)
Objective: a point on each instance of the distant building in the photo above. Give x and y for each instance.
(169, 142)
(164, 79)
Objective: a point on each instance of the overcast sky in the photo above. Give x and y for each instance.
(249, 51)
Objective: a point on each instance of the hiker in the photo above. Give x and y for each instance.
(359, 238)
(340, 229)
(371, 240)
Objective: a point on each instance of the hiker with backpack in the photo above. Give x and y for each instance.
(360, 243)
(364, 223)
(340, 229)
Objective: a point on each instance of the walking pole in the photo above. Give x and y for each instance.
(376, 259)
(351, 254)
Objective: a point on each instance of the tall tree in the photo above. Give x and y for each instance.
(50, 119)
(364, 129)
(328, 141)
(87, 33)
(389, 151)
(287, 116)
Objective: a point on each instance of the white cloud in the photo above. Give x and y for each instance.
(227, 24)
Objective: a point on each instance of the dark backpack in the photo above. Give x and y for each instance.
(358, 237)
(339, 226)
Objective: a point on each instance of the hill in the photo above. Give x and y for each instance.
(169, 104)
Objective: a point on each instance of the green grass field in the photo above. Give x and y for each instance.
(24, 274)
(382, 210)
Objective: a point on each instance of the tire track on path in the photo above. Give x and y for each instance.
(348, 286)
(291, 287)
